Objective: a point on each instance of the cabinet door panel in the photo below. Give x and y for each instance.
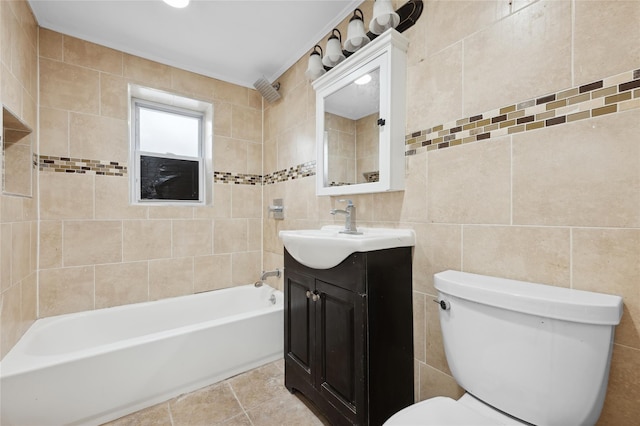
(339, 348)
(300, 322)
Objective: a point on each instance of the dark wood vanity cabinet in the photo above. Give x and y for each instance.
(349, 335)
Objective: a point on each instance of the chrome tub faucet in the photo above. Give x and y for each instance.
(266, 274)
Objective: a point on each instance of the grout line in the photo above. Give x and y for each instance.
(571, 257)
(511, 181)
(424, 325)
(233, 392)
(170, 414)
(148, 282)
(462, 109)
(462, 247)
(37, 172)
(573, 39)
(93, 267)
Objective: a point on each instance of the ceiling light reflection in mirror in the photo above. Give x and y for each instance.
(356, 100)
(178, 4)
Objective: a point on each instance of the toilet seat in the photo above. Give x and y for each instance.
(443, 411)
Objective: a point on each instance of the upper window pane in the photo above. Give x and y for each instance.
(165, 132)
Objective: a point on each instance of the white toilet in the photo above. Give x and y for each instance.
(525, 353)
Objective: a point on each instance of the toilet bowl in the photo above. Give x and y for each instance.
(520, 350)
(443, 411)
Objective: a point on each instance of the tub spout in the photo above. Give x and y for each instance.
(266, 274)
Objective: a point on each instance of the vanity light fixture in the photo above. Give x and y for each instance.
(356, 36)
(363, 80)
(315, 68)
(179, 4)
(333, 50)
(384, 17)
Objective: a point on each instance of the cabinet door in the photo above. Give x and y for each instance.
(340, 343)
(299, 324)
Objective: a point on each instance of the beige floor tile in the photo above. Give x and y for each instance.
(239, 420)
(258, 386)
(208, 406)
(158, 415)
(285, 410)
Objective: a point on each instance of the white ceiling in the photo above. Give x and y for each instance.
(237, 41)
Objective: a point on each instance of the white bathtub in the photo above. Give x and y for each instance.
(96, 366)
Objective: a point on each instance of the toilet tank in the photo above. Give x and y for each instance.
(537, 352)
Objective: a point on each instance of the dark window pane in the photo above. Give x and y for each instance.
(168, 179)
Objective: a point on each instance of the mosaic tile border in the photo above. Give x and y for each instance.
(237, 178)
(610, 95)
(50, 163)
(295, 172)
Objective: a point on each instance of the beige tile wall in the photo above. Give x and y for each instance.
(18, 225)
(96, 250)
(558, 205)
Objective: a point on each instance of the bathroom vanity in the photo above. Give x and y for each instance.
(349, 335)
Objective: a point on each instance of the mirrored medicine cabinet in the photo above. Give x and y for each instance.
(360, 120)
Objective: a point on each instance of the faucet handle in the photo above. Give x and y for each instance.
(349, 202)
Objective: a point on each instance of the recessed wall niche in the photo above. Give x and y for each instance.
(17, 154)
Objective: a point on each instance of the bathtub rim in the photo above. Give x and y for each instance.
(26, 362)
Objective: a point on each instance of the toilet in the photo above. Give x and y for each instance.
(524, 353)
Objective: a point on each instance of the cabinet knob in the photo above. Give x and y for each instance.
(313, 296)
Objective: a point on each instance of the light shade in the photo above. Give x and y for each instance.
(315, 68)
(333, 52)
(356, 36)
(177, 3)
(384, 17)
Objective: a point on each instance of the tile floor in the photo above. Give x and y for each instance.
(255, 398)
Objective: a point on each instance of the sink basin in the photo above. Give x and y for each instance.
(326, 247)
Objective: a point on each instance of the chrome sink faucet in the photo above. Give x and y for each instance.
(350, 226)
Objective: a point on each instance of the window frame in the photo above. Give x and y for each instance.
(142, 97)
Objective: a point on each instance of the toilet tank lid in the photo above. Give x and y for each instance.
(532, 298)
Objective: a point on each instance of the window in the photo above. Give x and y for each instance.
(171, 146)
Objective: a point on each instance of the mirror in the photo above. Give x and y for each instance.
(17, 154)
(360, 120)
(351, 132)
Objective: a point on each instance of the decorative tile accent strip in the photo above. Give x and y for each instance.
(48, 163)
(81, 165)
(237, 178)
(369, 177)
(295, 172)
(607, 96)
(372, 176)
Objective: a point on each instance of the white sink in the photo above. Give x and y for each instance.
(326, 247)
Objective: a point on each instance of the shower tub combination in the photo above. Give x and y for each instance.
(96, 366)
